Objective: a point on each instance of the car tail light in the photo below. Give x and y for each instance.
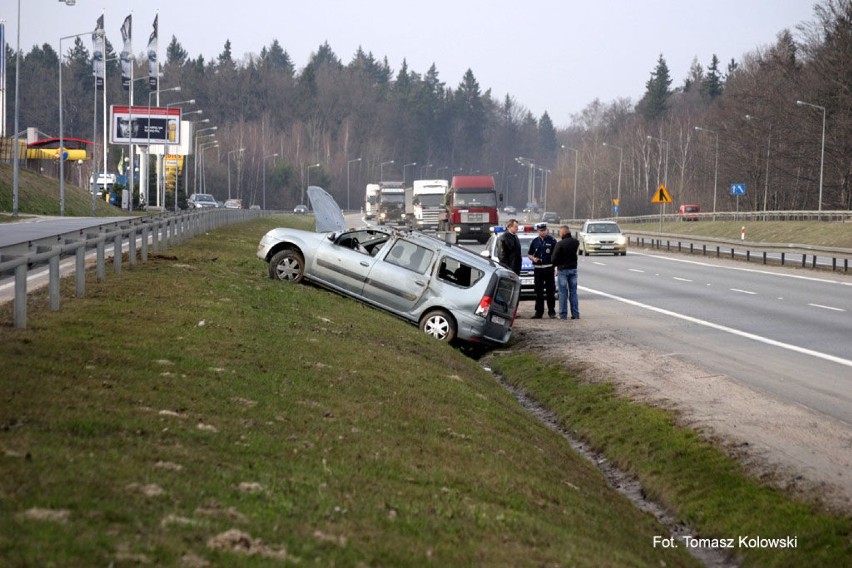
(484, 306)
(514, 316)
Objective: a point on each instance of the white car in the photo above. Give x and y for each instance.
(602, 237)
(448, 291)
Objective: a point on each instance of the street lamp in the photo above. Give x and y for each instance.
(177, 104)
(229, 168)
(822, 153)
(576, 157)
(309, 179)
(620, 159)
(423, 168)
(768, 148)
(403, 171)
(148, 149)
(264, 178)
(715, 167)
(347, 181)
(530, 176)
(441, 168)
(197, 134)
(203, 148)
(382, 169)
(61, 150)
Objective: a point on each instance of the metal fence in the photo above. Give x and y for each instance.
(153, 234)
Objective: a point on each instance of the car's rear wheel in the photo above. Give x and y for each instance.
(287, 265)
(440, 325)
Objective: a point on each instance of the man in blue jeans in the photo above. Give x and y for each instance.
(565, 260)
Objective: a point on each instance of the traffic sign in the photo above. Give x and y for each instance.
(661, 195)
(738, 189)
(615, 202)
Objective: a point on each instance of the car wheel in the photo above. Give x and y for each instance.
(440, 325)
(287, 265)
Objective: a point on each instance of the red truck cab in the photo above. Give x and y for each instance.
(470, 207)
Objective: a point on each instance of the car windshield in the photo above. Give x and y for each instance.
(478, 199)
(204, 197)
(603, 228)
(392, 197)
(430, 200)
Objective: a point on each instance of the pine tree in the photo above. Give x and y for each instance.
(712, 86)
(225, 61)
(655, 102)
(547, 135)
(175, 53)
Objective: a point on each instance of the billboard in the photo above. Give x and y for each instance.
(143, 125)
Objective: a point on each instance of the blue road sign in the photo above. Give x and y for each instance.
(738, 189)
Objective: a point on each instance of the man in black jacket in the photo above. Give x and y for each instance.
(565, 261)
(509, 247)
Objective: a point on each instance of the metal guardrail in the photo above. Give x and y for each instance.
(772, 253)
(826, 216)
(156, 232)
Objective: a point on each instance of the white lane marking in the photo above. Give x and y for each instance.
(740, 333)
(681, 279)
(635, 270)
(827, 307)
(754, 270)
(742, 291)
(599, 263)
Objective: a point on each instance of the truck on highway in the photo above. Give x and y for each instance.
(470, 207)
(424, 201)
(391, 202)
(371, 201)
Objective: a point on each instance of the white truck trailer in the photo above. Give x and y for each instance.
(424, 201)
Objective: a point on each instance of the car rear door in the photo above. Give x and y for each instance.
(400, 277)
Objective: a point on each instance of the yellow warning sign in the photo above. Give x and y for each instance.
(661, 195)
(615, 202)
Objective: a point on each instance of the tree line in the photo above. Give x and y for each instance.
(411, 124)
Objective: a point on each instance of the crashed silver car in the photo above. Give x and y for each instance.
(449, 292)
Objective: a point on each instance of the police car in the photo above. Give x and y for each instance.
(526, 234)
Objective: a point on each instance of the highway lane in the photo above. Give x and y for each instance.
(777, 331)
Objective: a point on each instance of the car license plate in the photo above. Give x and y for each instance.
(498, 320)
(527, 281)
(606, 247)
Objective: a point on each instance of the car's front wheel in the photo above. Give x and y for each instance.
(440, 325)
(287, 265)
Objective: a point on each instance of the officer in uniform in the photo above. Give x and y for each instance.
(541, 249)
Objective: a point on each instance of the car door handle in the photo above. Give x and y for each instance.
(365, 263)
(420, 283)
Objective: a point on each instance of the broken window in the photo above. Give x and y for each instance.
(458, 273)
(409, 255)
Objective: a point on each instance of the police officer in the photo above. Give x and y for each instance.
(541, 249)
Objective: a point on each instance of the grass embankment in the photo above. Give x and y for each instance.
(695, 479)
(816, 233)
(39, 195)
(191, 395)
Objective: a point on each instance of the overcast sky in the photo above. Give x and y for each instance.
(554, 56)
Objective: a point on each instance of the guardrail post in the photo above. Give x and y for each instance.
(155, 237)
(21, 296)
(782, 258)
(814, 261)
(748, 255)
(53, 281)
(116, 253)
(101, 269)
(80, 269)
(764, 257)
(833, 263)
(804, 259)
(144, 252)
(131, 247)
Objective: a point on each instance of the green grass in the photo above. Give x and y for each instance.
(798, 232)
(191, 395)
(691, 477)
(39, 195)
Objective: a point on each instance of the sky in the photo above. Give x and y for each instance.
(549, 55)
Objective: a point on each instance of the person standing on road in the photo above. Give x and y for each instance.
(565, 261)
(509, 247)
(541, 249)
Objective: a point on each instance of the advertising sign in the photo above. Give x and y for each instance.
(141, 125)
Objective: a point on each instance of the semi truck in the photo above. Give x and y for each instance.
(470, 207)
(424, 201)
(371, 201)
(391, 202)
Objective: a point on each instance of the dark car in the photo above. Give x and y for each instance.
(550, 217)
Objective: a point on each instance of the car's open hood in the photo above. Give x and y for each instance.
(329, 217)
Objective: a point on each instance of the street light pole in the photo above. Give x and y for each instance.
(229, 168)
(148, 150)
(715, 167)
(620, 159)
(423, 168)
(61, 150)
(822, 152)
(348, 208)
(382, 170)
(768, 148)
(203, 148)
(177, 104)
(264, 177)
(197, 135)
(403, 171)
(576, 163)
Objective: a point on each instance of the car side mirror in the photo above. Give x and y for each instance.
(485, 254)
(332, 236)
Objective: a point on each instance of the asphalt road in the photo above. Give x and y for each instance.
(780, 331)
